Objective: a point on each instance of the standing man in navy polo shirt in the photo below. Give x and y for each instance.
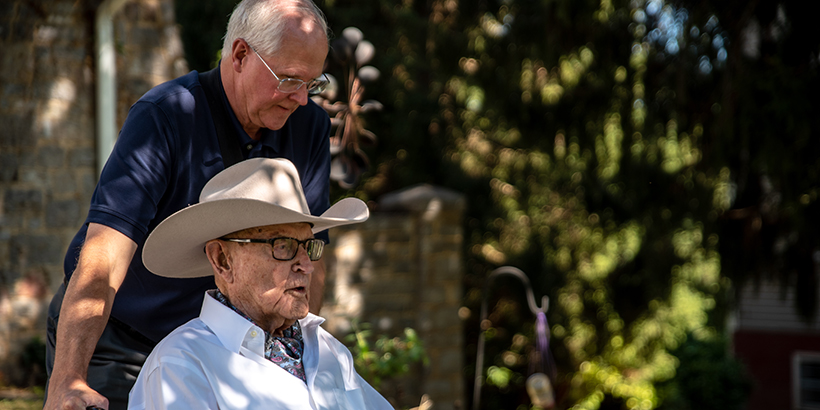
(112, 310)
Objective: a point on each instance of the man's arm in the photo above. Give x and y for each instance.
(84, 314)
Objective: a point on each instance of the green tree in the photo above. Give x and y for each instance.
(610, 149)
(580, 170)
(203, 25)
(707, 378)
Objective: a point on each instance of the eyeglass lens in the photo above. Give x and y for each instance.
(286, 248)
(291, 85)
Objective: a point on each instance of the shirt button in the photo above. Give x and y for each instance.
(249, 147)
(253, 333)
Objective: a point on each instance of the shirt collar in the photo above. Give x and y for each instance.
(233, 330)
(311, 321)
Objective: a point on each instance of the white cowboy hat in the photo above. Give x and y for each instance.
(254, 192)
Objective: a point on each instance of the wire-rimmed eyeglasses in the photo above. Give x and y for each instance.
(289, 85)
(285, 249)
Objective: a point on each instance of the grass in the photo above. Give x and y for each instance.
(20, 404)
(21, 399)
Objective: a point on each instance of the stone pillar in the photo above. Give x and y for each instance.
(403, 268)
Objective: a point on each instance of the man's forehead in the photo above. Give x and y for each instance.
(280, 229)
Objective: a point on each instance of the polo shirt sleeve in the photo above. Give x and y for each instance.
(136, 175)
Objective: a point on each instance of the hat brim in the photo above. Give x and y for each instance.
(175, 248)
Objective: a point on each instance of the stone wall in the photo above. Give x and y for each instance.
(402, 268)
(47, 140)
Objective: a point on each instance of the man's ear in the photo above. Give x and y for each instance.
(220, 259)
(240, 50)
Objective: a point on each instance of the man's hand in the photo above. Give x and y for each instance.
(76, 396)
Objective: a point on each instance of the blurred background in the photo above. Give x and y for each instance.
(653, 167)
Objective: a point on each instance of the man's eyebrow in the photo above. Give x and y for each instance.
(290, 74)
(296, 77)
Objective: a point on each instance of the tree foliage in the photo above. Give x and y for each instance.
(638, 159)
(707, 378)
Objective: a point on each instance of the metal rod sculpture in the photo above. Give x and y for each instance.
(350, 52)
(539, 386)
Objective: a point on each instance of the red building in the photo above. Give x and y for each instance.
(781, 350)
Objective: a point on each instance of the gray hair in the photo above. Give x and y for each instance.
(262, 23)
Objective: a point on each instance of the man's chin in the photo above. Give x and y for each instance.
(275, 126)
(281, 117)
(299, 309)
(300, 315)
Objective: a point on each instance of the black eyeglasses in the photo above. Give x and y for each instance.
(285, 249)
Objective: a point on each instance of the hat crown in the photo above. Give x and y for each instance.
(259, 180)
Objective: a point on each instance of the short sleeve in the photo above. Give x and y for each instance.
(136, 175)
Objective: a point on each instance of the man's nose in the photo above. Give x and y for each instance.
(301, 95)
(303, 262)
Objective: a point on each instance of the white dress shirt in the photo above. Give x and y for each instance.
(217, 361)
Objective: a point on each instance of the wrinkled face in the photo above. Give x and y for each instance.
(262, 105)
(269, 291)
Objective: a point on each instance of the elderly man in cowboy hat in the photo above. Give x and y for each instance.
(254, 344)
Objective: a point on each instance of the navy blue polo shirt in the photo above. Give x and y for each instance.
(166, 151)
